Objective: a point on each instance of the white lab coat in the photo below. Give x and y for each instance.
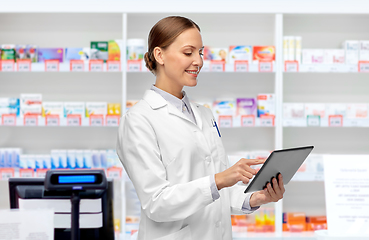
(169, 160)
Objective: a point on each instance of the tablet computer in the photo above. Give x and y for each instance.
(286, 162)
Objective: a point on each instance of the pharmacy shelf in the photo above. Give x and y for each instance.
(326, 122)
(327, 68)
(113, 121)
(39, 121)
(136, 67)
(283, 236)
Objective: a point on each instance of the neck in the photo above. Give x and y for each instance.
(169, 86)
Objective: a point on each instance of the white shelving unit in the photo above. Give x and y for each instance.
(74, 24)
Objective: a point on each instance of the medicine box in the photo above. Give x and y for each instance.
(246, 106)
(336, 109)
(357, 110)
(50, 54)
(96, 108)
(53, 108)
(77, 54)
(263, 53)
(364, 51)
(99, 50)
(351, 51)
(74, 108)
(315, 109)
(266, 104)
(293, 110)
(334, 56)
(237, 53)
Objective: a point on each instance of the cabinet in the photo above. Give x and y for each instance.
(221, 25)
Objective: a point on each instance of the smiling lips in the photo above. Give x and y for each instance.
(192, 72)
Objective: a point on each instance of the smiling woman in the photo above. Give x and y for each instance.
(173, 152)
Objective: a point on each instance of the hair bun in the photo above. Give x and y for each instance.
(151, 65)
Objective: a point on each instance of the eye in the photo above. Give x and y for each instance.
(201, 54)
(188, 54)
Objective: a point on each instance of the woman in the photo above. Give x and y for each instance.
(172, 150)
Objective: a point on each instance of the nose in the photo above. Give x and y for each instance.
(198, 61)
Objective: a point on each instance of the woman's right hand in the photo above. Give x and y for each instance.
(240, 171)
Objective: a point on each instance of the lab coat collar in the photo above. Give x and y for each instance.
(156, 101)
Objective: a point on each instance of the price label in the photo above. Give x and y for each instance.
(113, 66)
(31, 120)
(7, 65)
(112, 120)
(134, 65)
(333, 69)
(352, 69)
(96, 65)
(247, 120)
(52, 65)
(313, 121)
(291, 66)
(335, 121)
(114, 172)
(24, 65)
(9, 119)
(26, 172)
(217, 66)
(52, 120)
(6, 173)
(265, 66)
(241, 66)
(41, 172)
(77, 66)
(267, 120)
(311, 68)
(74, 120)
(225, 121)
(96, 120)
(364, 66)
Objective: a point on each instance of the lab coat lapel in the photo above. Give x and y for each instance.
(173, 110)
(196, 111)
(156, 101)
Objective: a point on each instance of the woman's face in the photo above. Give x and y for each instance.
(182, 60)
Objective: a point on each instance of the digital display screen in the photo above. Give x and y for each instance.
(77, 179)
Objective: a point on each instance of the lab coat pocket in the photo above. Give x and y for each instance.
(183, 234)
(220, 148)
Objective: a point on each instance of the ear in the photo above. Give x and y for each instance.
(158, 55)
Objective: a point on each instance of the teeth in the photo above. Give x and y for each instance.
(193, 72)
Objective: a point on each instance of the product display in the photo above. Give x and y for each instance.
(135, 49)
(77, 54)
(240, 53)
(8, 52)
(263, 53)
(266, 104)
(59, 159)
(99, 50)
(50, 54)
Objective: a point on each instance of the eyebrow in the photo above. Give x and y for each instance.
(192, 47)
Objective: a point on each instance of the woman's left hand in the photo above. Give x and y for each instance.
(269, 194)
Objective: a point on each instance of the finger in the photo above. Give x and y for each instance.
(254, 161)
(246, 167)
(247, 174)
(281, 184)
(271, 192)
(277, 189)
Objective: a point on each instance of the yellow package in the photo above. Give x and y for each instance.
(114, 109)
